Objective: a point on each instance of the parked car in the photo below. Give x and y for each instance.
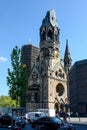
(51, 123)
(67, 126)
(8, 120)
(48, 112)
(32, 116)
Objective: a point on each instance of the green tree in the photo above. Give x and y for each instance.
(17, 78)
(6, 101)
(24, 85)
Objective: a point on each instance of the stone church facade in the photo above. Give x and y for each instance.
(47, 87)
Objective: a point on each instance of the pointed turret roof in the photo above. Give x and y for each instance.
(67, 58)
(67, 52)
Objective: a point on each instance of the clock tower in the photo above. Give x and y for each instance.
(48, 79)
(49, 39)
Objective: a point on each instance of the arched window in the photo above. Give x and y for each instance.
(56, 73)
(60, 71)
(44, 35)
(36, 96)
(49, 35)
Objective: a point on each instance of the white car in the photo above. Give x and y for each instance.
(48, 112)
(32, 116)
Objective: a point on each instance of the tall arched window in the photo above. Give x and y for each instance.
(44, 35)
(49, 35)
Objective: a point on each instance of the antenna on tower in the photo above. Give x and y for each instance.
(29, 41)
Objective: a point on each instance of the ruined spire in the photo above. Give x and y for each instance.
(50, 18)
(67, 59)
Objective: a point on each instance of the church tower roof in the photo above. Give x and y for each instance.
(50, 18)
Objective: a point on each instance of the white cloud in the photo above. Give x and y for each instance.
(3, 59)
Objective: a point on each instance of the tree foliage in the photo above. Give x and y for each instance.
(17, 78)
(6, 101)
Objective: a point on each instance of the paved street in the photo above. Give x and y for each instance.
(27, 127)
(78, 127)
(81, 127)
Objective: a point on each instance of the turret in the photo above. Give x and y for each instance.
(67, 59)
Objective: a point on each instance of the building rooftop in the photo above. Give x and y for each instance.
(77, 63)
(81, 62)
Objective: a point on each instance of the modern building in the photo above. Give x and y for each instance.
(47, 86)
(78, 87)
(29, 55)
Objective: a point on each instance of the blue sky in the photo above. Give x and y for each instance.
(20, 21)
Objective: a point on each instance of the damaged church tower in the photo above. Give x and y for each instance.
(48, 79)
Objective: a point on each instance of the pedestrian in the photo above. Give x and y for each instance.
(64, 117)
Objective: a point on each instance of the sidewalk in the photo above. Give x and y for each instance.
(77, 120)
